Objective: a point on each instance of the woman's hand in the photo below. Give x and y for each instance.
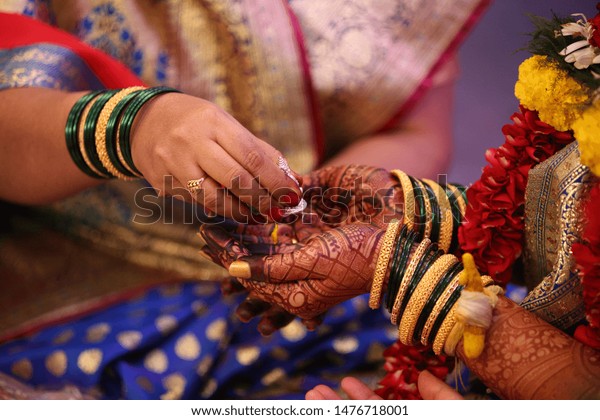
(177, 138)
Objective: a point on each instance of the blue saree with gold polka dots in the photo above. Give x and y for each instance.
(182, 341)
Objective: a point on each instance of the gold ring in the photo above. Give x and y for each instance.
(193, 185)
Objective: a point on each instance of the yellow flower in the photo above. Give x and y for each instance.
(544, 87)
(586, 130)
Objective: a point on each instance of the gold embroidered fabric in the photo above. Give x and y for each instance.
(553, 218)
(366, 59)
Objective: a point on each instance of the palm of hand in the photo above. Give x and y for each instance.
(311, 277)
(323, 257)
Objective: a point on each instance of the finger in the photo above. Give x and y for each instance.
(358, 390)
(311, 324)
(313, 394)
(264, 230)
(297, 265)
(224, 169)
(432, 388)
(277, 268)
(210, 195)
(222, 245)
(327, 392)
(260, 160)
(230, 286)
(251, 308)
(270, 249)
(274, 319)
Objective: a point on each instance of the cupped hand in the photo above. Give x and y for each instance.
(341, 195)
(305, 279)
(177, 138)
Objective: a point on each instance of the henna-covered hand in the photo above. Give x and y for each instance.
(336, 196)
(307, 278)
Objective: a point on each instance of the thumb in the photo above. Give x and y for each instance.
(278, 268)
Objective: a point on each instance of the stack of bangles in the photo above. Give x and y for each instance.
(432, 296)
(98, 129)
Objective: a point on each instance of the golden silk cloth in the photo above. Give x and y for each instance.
(278, 67)
(555, 194)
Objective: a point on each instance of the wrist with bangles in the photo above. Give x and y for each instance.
(98, 130)
(432, 296)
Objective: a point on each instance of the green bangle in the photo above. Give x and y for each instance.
(435, 295)
(71, 132)
(394, 261)
(435, 212)
(420, 213)
(444, 312)
(111, 133)
(456, 214)
(398, 265)
(463, 191)
(432, 253)
(128, 118)
(89, 132)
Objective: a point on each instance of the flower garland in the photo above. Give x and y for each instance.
(587, 256)
(403, 365)
(559, 90)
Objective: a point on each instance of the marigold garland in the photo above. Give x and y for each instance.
(587, 133)
(544, 87)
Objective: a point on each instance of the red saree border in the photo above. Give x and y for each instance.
(318, 133)
(446, 56)
(19, 31)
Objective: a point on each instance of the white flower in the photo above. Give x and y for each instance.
(582, 53)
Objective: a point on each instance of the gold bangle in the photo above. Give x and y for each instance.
(428, 215)
(100, 134)
(444, 331)
(409, 198)
(410, 270)
(382, 263)
(81, 141)
(420, 296)
(446, 223)
(438, 308)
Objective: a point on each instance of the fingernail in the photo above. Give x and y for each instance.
(276, 214)
(291, 199)
(240, 269)
(243, 315)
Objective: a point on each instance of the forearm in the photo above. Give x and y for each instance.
(421, 144)
(35, 166)
(418, 153)
(526, 358)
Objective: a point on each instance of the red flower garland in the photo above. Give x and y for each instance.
(587, 258)
(494, 221)
(403, 365)
(595, 22)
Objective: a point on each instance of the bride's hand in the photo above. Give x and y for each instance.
(305, 279)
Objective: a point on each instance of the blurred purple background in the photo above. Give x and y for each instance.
(489, 62)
